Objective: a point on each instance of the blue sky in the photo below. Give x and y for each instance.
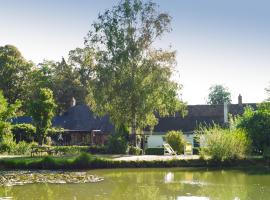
(217, 42)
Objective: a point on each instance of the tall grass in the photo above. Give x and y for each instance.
(223, 144)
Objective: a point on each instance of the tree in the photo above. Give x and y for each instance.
(63, 79)
(42, 111)
(14, 73)
(218, 94)
(83, 61)
(132, 80)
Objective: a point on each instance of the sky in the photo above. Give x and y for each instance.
(217, 42)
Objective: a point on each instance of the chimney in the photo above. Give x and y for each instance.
(72, 102)
(240, 102)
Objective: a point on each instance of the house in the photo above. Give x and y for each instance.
(197, 115)
(82, 127)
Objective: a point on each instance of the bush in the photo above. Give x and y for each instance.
(7, 144)
(134, 150)
(176, 140)
(117, 144)
(223, 144)
(23, 148)
(257, 125)
(23, 132)
(84, 160)
(154, 151)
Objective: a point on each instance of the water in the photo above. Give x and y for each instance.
(144, 184)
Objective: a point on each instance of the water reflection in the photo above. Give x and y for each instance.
(146, 184)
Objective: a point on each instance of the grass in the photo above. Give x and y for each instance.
(87, 161)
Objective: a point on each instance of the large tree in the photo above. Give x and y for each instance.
(63, 79)
(218, 94)
(132, 79)
(14, 73)
(42, 109)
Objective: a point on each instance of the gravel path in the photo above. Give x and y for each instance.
(152, 157)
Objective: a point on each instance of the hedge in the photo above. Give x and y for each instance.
(154, 151)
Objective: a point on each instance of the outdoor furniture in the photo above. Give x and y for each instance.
(40, 150)
(168, 150)
(188, 149)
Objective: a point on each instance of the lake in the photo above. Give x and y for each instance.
(144, 184)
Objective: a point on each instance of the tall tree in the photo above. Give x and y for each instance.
(83, 62)
(14, 73)
(132, 80)
(42, 111)
(218, 94)
(63, 79)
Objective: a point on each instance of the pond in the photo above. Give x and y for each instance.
(144, 184)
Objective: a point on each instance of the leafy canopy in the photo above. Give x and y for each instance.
(132, 80)
(42, 111)
(218, 94)
(14, 73)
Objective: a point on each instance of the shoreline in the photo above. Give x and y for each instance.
(86, 161)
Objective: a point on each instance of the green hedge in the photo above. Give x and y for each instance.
(134, 150)
(154, 151)
(75, 150)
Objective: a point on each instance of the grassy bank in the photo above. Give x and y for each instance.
(87, 161)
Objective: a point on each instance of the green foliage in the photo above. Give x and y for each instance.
(76, 150)
(14, 74)
(132, 80)
(176, 140)
(42, 111)
(23, 148)
(218, 94)
(154, 151)
(257, 125)
(7, 144)
(23, 132)
(223, 144)
(117, 144)
(7, 111)
(132, 150)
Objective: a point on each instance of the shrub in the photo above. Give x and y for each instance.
(23, 132)
(257, 125)
(117, 144)
(134, 150)
(154, 151)
(23, 148)
(7, 144)
(176, 140)
(84, 160)
(223, 144)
